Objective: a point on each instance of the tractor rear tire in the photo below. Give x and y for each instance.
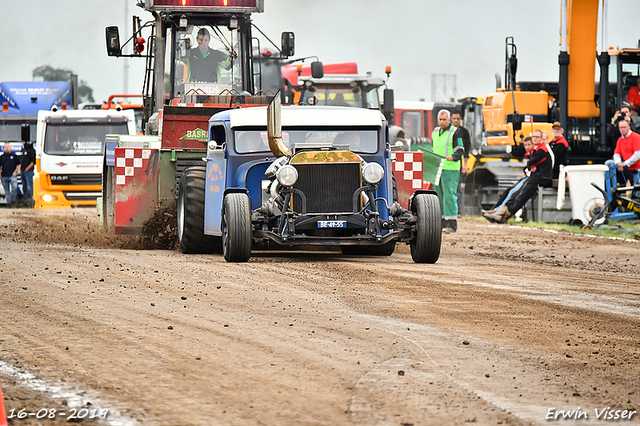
(108, 198)
(427, 240)
(190, 214)
(236, 227)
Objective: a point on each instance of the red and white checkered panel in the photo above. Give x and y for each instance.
(136, 188)
(130, 162)
(407, 169)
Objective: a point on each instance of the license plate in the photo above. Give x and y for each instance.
(332, 224)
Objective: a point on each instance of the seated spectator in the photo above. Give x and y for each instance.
(501, 206)
(560, 148)
(545, 139)
(625, 165)
(541, 168)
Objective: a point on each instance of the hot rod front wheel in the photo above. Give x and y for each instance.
(427, 239)
(236, 228)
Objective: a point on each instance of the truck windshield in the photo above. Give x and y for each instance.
(11, 132)
(79, 139)
(205, 61)
(359, 141)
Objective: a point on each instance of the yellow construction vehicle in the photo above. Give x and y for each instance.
(583, 105)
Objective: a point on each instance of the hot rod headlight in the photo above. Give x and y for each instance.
(287, 175)
(372, 173)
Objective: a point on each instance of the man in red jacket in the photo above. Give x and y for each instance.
(625, 165)
(560, 148)
(541, 168)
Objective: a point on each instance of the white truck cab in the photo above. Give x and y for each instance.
(69, 154)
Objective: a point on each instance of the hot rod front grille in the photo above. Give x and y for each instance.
(329, 187)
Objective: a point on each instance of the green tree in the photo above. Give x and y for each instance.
(47, 73)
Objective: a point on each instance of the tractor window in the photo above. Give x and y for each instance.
(411, 122)
(204, 61)
(334, 96)
(373, 100)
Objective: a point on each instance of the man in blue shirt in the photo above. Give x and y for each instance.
(9, 168)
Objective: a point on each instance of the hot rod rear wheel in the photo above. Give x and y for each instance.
(383, 250)
(236, 228)
(191, 214)
(425, 244)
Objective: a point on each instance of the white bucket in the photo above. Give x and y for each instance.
(584, 197)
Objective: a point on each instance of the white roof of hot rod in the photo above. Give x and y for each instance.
(308, 116)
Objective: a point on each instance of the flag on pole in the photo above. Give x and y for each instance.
(431, 166)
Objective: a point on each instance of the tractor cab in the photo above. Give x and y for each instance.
(341, 90)
(205, 47)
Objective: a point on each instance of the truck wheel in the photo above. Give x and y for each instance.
(236, 228)
(426, 242)
(191, 214)
(383, 250)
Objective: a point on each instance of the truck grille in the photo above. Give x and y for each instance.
(82, 196)
(73, 179)
(329, 187)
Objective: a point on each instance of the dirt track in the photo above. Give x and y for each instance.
(510, 323)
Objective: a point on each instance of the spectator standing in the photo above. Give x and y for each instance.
(560, 148)
(27, 165)
(9, 169)
(541, 168)
(613, 133)
(625, 165)
(447, 142)
(456, 121)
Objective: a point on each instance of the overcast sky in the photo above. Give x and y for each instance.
(417, 38)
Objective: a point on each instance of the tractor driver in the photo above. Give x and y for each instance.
(203, 63)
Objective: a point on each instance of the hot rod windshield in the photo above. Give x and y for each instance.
(364, 141)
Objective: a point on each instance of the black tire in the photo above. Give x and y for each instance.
(236, 228)
(190, 214)
(395, 189)
(383, 250)
(427, 240)
(108, 200)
